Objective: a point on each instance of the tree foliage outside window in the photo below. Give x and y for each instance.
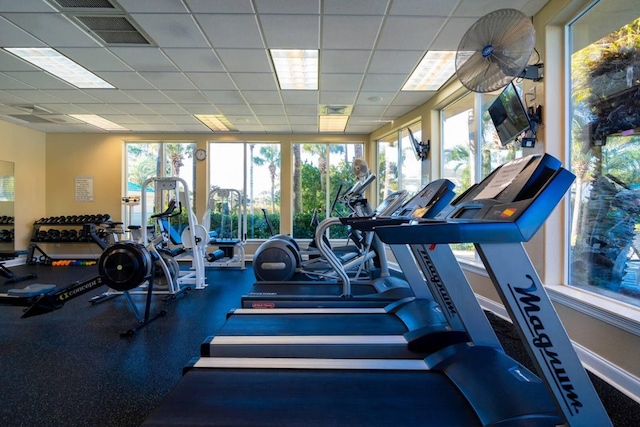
(320, 171)
(253, 169)
(605, 157)
(153, 159)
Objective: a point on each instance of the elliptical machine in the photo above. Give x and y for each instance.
(280, 258)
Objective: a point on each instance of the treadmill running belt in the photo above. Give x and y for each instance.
(253, 397)
(312, 324)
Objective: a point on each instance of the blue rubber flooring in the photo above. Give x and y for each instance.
(72, 368)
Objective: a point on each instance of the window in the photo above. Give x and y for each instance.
(319, 172)
(398, 166)
(463, 137)
(253, 169)
(605, 152)
(156, 159)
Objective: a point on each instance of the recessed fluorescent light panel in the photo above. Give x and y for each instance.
(60, 66)
(333, 123)
(296, 69)
(433, 71)
(216, 122)
(97, 121)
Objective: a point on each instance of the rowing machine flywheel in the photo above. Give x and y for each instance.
(125, 265)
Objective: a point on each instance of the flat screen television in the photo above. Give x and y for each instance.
(509, 115)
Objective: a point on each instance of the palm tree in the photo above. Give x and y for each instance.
(270, 155)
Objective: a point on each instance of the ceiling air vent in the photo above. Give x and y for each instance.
(113, 29)
(84, 4)
(29, 118)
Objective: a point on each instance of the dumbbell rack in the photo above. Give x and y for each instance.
(6, 233)
(68, 237)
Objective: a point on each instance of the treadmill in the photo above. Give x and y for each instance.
(380, 291)
(458, 385)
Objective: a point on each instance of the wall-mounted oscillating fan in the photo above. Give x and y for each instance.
(360, 168)
(495, 50)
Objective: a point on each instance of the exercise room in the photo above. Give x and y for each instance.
(320, 212)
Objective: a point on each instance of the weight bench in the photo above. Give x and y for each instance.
(7, 273)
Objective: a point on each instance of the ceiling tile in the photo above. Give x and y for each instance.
(224, 96)
(73, 96)
(291, 32)
(338, 82)
(157, 6)
(8, 82)
(149, 96)
(450, 36)
(13, 36)
(375, 98)
(261, 97)
(54, 28)
(422, 7)
(384, 82)
(285, 6)
(186, 96)
(111, 96)
(121, 119)
(40, 80)
(349, 32)
(136, 109)
(200, 108)
(304, 120)
(304, 129)
(395, 61)
(368, 110)
(480, 8)
(412, 97)
(300, 97)
(100, 108)
(144, 58)
(412, 33)
(26, 6)
(9, 62)
(126, 80)
(338, 97)
(283, 128)
(227, 31)
(164, 81)
(35, 96)
(344, 61)
(234, 109)
(220, 6)
(355, 7)
(274, 120)
(171, 30)
(398, 110)
(241, 60)
(95, 59)
(250, 128)
(301, 110)
(255, 81)
(182, 119)
(212, 81)
(194, 60)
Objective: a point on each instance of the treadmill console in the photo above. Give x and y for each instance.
(431, 200)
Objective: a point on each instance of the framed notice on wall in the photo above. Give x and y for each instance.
(84, 189)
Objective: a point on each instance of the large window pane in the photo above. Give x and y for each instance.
(398, 166)
(253, 169)
(605, 153)
(459, 143)
(146, 160)
(320, 171)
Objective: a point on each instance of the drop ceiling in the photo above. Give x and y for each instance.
(171, 59)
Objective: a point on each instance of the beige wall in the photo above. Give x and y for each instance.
(26, 149)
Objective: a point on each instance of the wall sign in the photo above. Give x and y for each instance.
(84, 189)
